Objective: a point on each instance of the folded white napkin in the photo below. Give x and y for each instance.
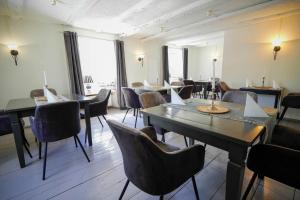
(252, 109)
(51, 98)
(175, 98)
(166, 84)
(275, 85)
(146, 83)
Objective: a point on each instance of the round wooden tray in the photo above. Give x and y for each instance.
(213, 110)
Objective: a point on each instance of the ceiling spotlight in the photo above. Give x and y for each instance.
(53, 2)
(210, 13)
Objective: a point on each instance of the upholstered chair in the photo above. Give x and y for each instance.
(137, 84)
(155, 167)
(177, 83)
(40, 92)
(5, 128)
(237, 96)
(292, 100)
(152, 99)
(131, 102)
(98, 106)
(186, 92)
(54, 122)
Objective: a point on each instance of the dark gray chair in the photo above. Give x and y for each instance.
(292, 100)
(131, 102)
(5, 128)
(152, 99)
(98, 106)
(237, 96)
(40, 92)
(54, 122)
(186, 92)
(152, 166)
(279, 160)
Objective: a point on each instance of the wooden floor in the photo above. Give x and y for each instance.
(70, 176)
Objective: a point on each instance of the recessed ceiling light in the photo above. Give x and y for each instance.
(210, 13)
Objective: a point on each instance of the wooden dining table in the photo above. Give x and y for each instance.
(25, 107)
(232, 135)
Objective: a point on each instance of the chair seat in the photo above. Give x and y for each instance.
(166, 147)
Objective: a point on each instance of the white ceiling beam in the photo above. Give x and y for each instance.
(226, 15)
(84, 8)
(170, 15)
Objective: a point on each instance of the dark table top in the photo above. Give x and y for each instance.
(22, 104)
(231, 130)
(266, 90)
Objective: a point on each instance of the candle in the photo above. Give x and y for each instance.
(214, 74)
(45, 78)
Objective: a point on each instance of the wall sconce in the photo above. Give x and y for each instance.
(140, 58)
(276, 47)
(14, 52)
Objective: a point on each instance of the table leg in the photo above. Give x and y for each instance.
(276, 101)
(205, 91)
(235, 173)
(17, 131)
(88, 123)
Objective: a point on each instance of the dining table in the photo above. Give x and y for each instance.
(155, 88)
(231, 132)
(25, 107)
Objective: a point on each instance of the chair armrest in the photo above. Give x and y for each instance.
(150, 132)
(186, 162)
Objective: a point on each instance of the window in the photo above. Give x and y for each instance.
(98, 60)
(175, 64)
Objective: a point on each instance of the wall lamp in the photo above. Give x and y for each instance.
(14, 52)
(276, 47)
(140, 58)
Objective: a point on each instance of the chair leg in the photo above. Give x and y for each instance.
(163, 137)
(125, 115)
(40, 150)
(195, 188)
(82, 148)
(26, 148)
(100, 121)
(283, 113)
(124, 189)
(104, 117)
(186, 143)
(204, 146)
(75, 142)
(161, 197)
(249, 186)
(45, 161)
(134, 112)
(136, 116)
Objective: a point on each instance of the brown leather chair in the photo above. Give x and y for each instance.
(186, 92)
(223, 87)
(40, 92)
(137, 84)
(155, 167)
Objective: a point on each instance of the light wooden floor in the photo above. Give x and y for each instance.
(70, 176)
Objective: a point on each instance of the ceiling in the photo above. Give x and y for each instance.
(170, 20)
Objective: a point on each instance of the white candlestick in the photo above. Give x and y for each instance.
(214, 74)
(45, 78)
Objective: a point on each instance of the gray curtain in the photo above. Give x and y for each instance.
(185, 53)
(165, 59)
(72, 52)
(121, 72)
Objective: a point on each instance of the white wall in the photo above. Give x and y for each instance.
(248, 54)
(41, 47)
(200, 61)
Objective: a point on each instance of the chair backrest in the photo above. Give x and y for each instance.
(131, 98)
(177, 83)
(56, 121)
(276, 162)
(137, 84)
(188, 82)
(151, 99)
(237, 96)
(5, 127)
(142, 159)
(292, 100)
(40, 92)
(98, 106)
(186, 92)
